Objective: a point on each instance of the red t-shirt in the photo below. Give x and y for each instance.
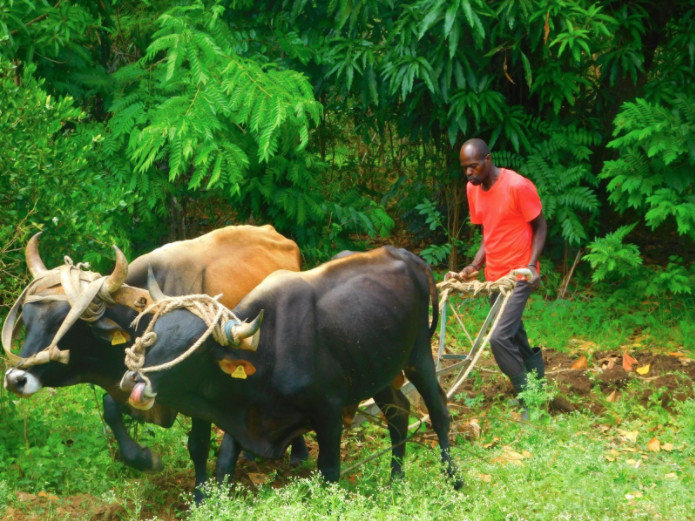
(506, 212)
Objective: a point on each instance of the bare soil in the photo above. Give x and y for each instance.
(601, 379)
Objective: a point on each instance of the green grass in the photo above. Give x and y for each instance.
(579, 466)
(575, 466)
(604, 321)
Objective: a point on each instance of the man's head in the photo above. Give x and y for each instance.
(476, 162)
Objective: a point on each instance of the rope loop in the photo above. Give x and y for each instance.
(214, 314)
(135, 354)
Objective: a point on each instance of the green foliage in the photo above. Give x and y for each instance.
(536, 397)
(610, 257)
(63, 40)
(560, 168)
(195, 109)
(435, 254)
(53, 179)
(654, 173)
(201, 113)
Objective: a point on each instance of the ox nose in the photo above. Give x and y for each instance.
(20, 382)
(15, 380)
(128, 381)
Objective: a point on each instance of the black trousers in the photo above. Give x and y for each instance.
(509, 342)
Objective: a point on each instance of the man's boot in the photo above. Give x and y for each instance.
(535, 363)
(519, 383)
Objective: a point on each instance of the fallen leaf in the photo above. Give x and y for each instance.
(608, 362)
(487, 478)
(513, 457)
(493, 442)
(634, 463)
(258, 478)
(643, 370)
(668, 447)
(471, 428)
(671, 475)
(630, 436)
(628, 362)
(580, 363)
(633, 495)
(611, 455)
(614, 396)
(674, 353)
(654, 445)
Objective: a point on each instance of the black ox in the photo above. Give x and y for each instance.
(228, 261)
(330, 337)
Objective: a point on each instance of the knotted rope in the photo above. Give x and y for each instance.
(207, 308)
(83, 290)
(504, 285)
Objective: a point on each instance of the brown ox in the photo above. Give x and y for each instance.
(96, 312)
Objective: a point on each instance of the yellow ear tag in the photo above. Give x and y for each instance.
(119, 337)
(237, 368)
(239, 372)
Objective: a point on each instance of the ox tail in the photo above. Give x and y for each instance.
(409, 256)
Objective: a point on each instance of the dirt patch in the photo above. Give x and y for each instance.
(666, 378)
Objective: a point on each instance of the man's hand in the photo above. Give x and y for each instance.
(535, 280)
(467, 273)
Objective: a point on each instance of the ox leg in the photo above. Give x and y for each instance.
(395, 407)
(298, 451)
(132, 454)
(423, 376)
(227, 459)
(328, 426)
(199, 448)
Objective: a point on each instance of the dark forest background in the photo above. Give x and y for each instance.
(339, 122)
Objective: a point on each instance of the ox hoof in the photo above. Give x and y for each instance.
(296, 461)
(151, 462)
(157, 464)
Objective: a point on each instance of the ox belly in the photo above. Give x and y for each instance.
(265, 429)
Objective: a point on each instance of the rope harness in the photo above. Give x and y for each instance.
(215, 315)
(83, 290)
(505, 287)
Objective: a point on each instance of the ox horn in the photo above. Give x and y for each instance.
(237, 332)
(119, 274)
(34, 262)
(153, 286)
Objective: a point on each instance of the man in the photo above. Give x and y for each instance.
(507, 205)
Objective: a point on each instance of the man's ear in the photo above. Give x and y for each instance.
(108, 330)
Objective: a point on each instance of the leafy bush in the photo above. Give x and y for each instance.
(54, 179)
(609, 257)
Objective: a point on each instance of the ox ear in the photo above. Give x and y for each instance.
(108, 330)
(153, 287)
